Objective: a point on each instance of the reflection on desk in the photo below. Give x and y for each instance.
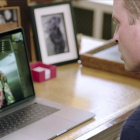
(108, 95)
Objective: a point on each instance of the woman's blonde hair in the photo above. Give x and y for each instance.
(133, 8)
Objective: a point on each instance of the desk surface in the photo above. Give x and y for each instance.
(106, 94)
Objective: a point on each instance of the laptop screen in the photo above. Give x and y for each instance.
(15, 76)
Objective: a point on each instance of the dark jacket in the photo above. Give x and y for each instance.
(131, 128)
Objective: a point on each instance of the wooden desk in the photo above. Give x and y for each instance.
(108, 95)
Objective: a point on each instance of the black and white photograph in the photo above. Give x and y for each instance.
(9, 18)
(55, 34)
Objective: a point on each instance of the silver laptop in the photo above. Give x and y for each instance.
(22, 115)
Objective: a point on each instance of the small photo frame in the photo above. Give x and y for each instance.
(54, 33)
(40, 1)
(9, 18)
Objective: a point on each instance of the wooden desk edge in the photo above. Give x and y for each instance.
(106, 126)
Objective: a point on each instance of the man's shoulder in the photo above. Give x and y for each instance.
(135, 116)
(131, 128)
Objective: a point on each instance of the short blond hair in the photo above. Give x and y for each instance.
(133, 8)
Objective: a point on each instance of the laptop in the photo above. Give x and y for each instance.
(22, 115)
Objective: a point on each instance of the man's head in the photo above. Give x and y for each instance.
(7, 14)
(127, 33)
(53, 24)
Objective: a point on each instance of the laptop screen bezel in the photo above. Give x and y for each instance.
(10, 32)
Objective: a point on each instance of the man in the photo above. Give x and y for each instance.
(55, 41)
(56, 35)
(126, 14)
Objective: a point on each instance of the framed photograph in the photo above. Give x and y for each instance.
(9, 18)
(106, 57)
(54, 33)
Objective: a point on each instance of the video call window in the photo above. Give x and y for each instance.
(14, 70)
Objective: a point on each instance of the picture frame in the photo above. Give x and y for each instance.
(9, 18)
(106, 57)
(40, 1)
(54, 33)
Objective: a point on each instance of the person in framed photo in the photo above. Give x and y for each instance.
(126, 14)
(55, 40)
(2, 20)
(55, 35)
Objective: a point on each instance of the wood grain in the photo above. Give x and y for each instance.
(106, 94)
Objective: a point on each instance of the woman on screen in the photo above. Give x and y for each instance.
(6, 97)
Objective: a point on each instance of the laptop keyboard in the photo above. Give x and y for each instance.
(24, 117)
